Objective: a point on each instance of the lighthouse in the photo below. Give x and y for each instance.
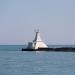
(37, 42)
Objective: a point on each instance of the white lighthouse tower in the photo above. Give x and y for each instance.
(37, 42)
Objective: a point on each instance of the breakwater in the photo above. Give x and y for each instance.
(64, 49)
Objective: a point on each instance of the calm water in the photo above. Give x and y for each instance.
(15, 62)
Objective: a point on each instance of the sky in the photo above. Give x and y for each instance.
(55, 20)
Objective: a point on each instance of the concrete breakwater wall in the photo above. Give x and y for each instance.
(63, 49)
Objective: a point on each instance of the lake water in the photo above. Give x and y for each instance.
(13, 61)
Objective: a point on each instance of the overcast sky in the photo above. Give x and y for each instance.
(54, 18)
